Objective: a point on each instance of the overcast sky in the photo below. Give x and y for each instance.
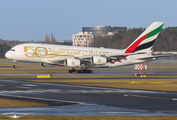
(32, 19)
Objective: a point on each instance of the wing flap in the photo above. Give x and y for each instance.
(56, 60)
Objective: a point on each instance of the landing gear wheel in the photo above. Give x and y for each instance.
(84, 71)
(74, 70)
(79, 71)
(15, 66)
(71, 71)
(90, 71)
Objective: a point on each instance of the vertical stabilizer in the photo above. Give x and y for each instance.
(146, 40)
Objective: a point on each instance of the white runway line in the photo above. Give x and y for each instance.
(22, 87)
(45, 99)
(116, 112)
(30, 85)
(31, 91)
(126, 95)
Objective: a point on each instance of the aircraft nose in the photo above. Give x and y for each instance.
(7, 55)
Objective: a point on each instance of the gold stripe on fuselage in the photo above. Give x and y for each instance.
(42, 52)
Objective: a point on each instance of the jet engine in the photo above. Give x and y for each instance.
(98, 60)
(72, 62)
(47, 65)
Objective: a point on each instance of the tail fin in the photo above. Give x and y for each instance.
(146, 40)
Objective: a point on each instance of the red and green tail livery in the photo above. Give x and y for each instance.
(146, 40)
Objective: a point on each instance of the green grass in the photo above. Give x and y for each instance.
(30, 68)
(9, 103)
(4, 59)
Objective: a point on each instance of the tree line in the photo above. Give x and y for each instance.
(3, 49)
(52, 40)
(166, 41)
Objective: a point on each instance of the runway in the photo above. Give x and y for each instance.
(67, 99)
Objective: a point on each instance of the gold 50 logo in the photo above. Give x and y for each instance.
(31, 51)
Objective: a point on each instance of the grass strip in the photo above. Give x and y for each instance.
(8, 103)
(4, 59)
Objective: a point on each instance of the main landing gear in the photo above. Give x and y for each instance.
(84, 71)
(15, 64)
(71, 71)
(80, 71)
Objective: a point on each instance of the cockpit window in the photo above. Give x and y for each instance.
(12, 50)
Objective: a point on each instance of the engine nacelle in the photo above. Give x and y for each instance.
(98, 60)
(47, 65)
(72, 62)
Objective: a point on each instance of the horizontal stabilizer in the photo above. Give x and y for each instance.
(150, 57)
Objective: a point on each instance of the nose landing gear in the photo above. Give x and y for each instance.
(15, 64)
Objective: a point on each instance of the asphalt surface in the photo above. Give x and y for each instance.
(83, 100)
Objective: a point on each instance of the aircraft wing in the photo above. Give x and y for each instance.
(108, 56)
(86, 59)
(118, 56)
(59, 61)
(56, 60)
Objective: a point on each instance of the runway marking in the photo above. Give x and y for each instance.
(30, 85)
(174, 98)
(9, 80)
(23, 87)
(72, 86)
(133, 82)
(117, 112)
(31, 91)
(45, 99)
(148, 97)
(138, 96)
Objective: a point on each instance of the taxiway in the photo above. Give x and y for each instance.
(87, 100)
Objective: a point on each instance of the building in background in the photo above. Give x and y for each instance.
(83, 39)
(102, 30)
(86, 37)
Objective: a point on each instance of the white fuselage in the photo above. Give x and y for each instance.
(47, 53)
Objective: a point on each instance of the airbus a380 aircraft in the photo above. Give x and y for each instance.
(88, 57)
